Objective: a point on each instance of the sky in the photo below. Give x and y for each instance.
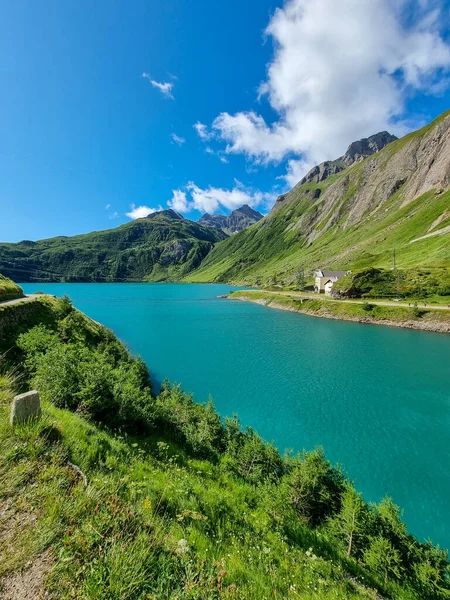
(112, 109)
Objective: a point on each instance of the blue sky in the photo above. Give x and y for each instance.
(275, 87)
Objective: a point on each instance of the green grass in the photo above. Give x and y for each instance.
(348, 310)
(9, 290)
(120, 537)
(191, 508)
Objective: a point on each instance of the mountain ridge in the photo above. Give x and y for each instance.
(353, 218)
(239, 219)
(162, 246)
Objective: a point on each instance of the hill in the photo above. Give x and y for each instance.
(351, 217)
(118, 494)
(9, 290)
(162, 246)
(237, 220)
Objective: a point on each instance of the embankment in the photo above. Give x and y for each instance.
(425, 319)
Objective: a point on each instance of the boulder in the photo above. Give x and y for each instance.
(25, 407)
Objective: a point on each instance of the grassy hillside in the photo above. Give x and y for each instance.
(163, 246)
(9, 290)
(397, 199)
(119, 494)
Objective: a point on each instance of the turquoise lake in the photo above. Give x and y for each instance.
(376, 398)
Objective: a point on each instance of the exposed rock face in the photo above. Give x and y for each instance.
(25, 407)
(420, 164)
(397, 198)
(168, 214)
(239, 219)
(323, 171)
(361, 149)
(356, 152)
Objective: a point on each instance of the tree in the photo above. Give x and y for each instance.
(301, 281)
(314, 487)
(349, 524)
(383, 558)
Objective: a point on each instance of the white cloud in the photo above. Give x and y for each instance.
(340, 71)
(212, 199)
(202, 131)
(164, 87)
(177, 139)
(113, 215)
(108, 206)
(296, 169)
(220, 156)
(179, 201)
(139, 212)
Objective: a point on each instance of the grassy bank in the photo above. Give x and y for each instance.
(118, 494)
(9, 290)
(396, 316)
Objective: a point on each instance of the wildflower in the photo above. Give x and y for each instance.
(182, 546)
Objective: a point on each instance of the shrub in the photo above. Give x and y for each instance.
(250, 457)
(313, 487)
(197, 425)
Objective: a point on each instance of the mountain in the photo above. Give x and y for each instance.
(356, 152)
(351, 218)
(239, 219)
(162, 246)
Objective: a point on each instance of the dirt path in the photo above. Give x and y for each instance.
(28, 298)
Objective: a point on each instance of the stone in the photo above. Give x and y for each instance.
(25, 407)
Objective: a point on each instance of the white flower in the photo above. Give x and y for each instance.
(182, 546)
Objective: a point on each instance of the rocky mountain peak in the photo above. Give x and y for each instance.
(361, 149)
(237, 220)
(166, 214)
(356, 152)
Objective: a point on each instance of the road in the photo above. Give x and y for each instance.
(377, 302)
(27, 298)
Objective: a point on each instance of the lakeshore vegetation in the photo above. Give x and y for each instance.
(121, 493)
(414, 316)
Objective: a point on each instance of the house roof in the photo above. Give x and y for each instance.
(321, 273)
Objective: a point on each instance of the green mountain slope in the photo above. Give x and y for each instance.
(162, 246)
(397, 199)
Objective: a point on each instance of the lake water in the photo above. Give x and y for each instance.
(376, 398)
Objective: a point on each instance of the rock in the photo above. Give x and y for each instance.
(356, 152)
(361, 149)
(25, 407)
(239, 219)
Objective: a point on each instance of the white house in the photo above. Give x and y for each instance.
(326, 279)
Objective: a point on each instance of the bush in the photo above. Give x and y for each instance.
(313, 487)
(89, 373)
(197, 425)
(250, 457)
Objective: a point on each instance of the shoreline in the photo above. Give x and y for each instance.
(325, 311)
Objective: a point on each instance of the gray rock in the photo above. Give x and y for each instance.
(239, 219)
(25, 407)
(356, 152)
